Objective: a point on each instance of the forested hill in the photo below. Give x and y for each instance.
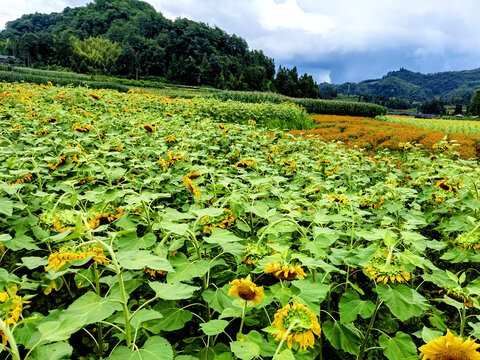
(125, 36)
(408, 85)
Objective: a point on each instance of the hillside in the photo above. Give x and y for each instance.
(126, 37)
(412, 86)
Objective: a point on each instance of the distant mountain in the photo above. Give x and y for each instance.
(453, 86)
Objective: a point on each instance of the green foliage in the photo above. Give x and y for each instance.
(474, 107)
(97, 52)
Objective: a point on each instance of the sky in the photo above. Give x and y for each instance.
(335, 41)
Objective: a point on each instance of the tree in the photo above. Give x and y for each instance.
(434, 106)
(475, 103)
(96, 52)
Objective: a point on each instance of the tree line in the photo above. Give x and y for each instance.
(130, 38)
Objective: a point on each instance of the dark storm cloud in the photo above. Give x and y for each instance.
(342, 40)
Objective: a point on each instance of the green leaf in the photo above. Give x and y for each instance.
(88, 309)
(285, 355)
(430, 334)
(155, 348)
(136, 260)
(214, 327)
(55, 351)
(173, 318)
(213, 212)
(351, 306)
(219, 299)
(399, 347)
(173, 291)
(176, 228)
(6, 206)
(402, 301)
(344, 337)
(144, 315)
(221, 236)
(32, 262)
(21, 241)
(245, 350)
(188, 270)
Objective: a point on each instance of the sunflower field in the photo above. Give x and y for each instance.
(137, 226)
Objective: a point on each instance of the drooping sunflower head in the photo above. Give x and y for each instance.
(371, 201)
(380, 270)
(303, 325)
(284, 272)
(458, 294)
(246, 290)
(468, 240)
(450, 347)
(254, 252)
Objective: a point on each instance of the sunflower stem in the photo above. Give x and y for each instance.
(244, 310)
(462, 320)
(369, 329)
(292, 325)
(11, 340)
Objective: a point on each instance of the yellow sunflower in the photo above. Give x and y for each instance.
(247, 290)
(302, 331)
(449, 347)
(380, 271)
(284, 272)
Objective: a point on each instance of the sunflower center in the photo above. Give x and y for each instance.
(245, 292)
(304, 323)
(453, 355)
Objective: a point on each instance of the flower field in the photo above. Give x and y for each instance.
(370, 134)
(454, 126)
(137, 226)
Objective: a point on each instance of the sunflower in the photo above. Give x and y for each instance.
(447, 185)
(404, 146)
(302, 331)
(245, 289)
(254, 252)
(371, 201)
(449, 347)
(58, 259)
(338, 198)
(284, 272)
(468, 240)
(458, 294)
(379, 270)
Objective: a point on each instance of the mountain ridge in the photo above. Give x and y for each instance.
(453, 86)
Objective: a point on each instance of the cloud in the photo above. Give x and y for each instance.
(349, 40)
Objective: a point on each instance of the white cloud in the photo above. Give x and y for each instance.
(17, 8)
(289, 15)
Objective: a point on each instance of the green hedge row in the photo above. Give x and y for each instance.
(11, 76)
(313, 106)
(63, 78)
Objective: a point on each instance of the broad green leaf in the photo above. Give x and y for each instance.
(173, 291)
(173, 318)
(213, 212)
(137, 260)
(155, 348)
(351, 306)
(175, 228)
(218, 299)
(245, 350)
(6, 206)
(344, 337)
(285, 355)
(214, 327)
(221, 236)
(144, 315)
(399, 347)
(88, 309)
(21, 241)
(32, 262)
(188, 270)
(430, 334)
(314, 292)
(55, 351)
(402, 301)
